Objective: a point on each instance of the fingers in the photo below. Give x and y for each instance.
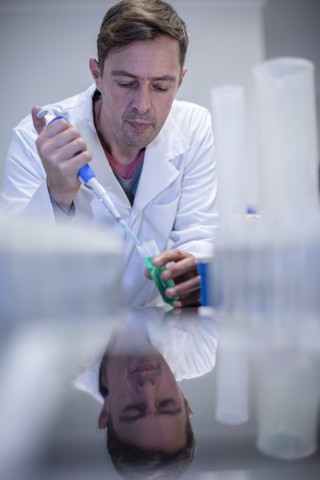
(174, 255)
(182, 269)
(63, 152)
(190, 300)
(61, 142)
(185, 268)
(38, 123)
(188, 292)
(147, 274)
(181, 265)
(187, 286)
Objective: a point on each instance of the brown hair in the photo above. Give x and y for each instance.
(136, 463)
(132, 20)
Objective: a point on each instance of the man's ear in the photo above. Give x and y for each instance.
(189, 411)
(95, 72)
(104, 415)
(184, 71)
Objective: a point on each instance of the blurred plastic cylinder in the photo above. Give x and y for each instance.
(286, 135)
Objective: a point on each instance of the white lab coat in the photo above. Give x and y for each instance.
(187, 343)
(175, 200)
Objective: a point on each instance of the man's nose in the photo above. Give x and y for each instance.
(142, 99)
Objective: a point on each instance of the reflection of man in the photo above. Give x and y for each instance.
(146, 414)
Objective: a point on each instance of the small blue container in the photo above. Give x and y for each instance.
(204, 272)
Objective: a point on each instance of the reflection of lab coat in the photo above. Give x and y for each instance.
(175, 198)
(187, 342)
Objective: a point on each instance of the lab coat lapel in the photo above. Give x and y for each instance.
(83, 121)
(159, 170)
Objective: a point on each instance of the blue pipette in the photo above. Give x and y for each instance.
(87, 176)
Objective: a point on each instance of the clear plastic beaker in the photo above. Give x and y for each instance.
(288, 407)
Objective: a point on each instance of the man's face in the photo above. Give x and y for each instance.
(145, 403)
(138, 86)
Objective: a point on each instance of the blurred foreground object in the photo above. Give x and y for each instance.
(59, 291)
(48, 272)
(228, 118)
(286, 134)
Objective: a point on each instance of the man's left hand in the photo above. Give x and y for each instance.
(182, 269)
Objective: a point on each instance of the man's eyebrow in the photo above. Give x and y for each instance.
(171, 413)
(123, 73)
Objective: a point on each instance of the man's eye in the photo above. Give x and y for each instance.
(134, 408)
(127, 85)
(159, 88)
(165, 403)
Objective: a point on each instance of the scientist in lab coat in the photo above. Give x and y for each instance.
(153, 154)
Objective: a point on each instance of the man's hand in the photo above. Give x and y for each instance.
(184, 272)
(63, 152)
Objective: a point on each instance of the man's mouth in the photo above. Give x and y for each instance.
(144, 365)
(139, 126)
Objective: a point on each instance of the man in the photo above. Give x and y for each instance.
(153, 154)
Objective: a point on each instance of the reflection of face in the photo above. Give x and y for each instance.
(138, 86)
(145, 403)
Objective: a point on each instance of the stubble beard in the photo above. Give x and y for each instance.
(137, 140)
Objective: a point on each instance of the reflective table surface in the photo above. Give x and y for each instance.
(248, 386)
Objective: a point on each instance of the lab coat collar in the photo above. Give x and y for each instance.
(82, 118)
(158, 170)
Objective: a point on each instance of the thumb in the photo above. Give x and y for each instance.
(147, 274)
(38, 123)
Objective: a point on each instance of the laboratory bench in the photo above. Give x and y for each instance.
(252, 383)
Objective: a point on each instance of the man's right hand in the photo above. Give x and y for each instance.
(63, 152)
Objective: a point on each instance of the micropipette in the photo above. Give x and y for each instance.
(147, 250)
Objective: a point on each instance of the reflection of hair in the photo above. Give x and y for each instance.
(136, 463)
(132, 20)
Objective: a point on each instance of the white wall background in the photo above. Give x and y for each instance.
(292, 28)
(45, 46)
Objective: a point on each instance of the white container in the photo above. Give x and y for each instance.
(286, 134)
(288, 406)
(228, 117)
(232, 376)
